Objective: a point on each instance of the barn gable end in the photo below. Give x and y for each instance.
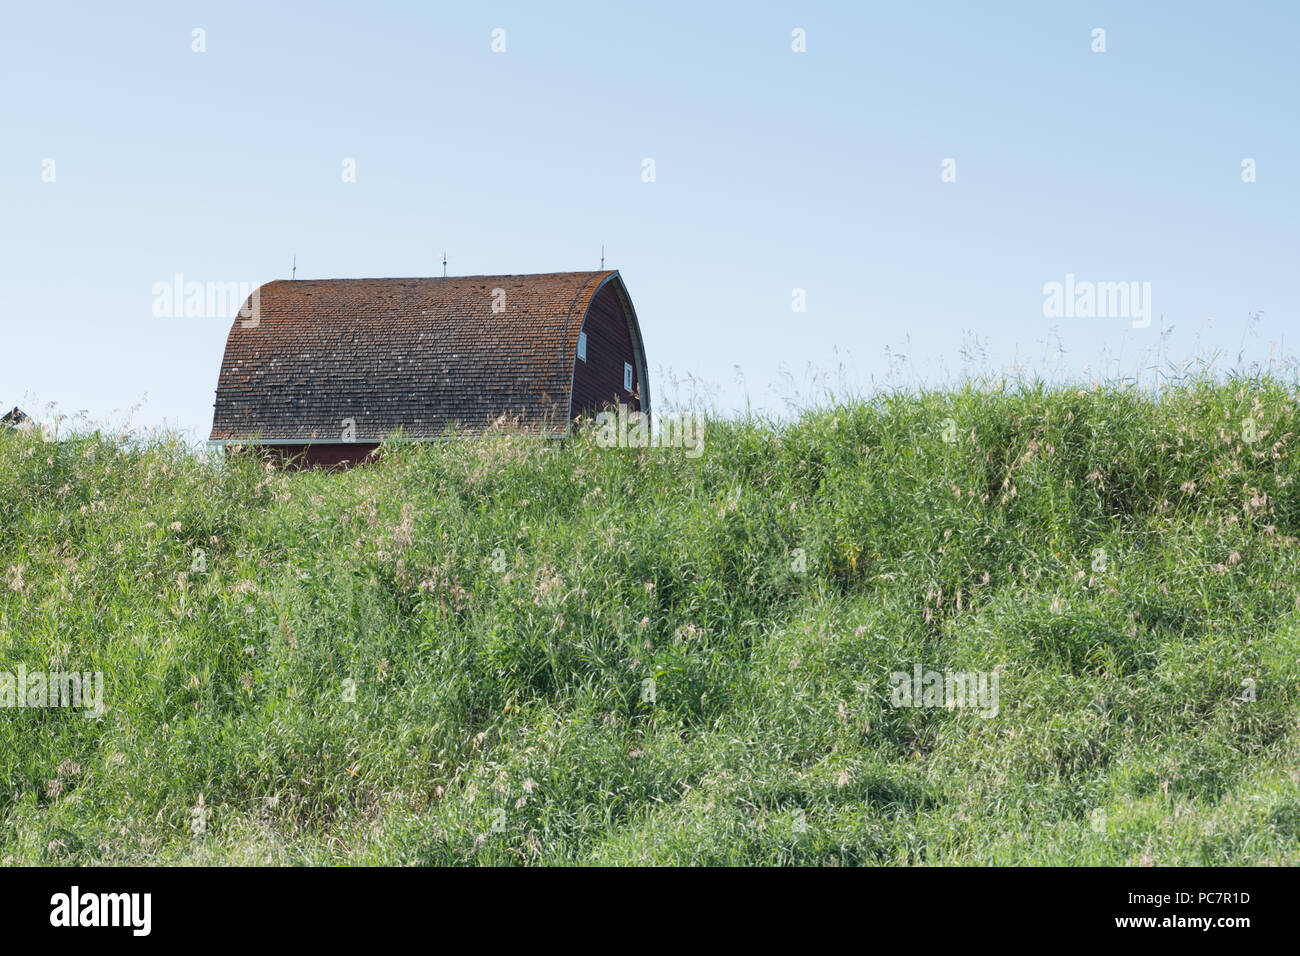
(613, 338)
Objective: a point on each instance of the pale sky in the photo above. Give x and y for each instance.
(775, 170)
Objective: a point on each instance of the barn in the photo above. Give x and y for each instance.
(321, 371)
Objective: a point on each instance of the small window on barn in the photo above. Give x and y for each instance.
(627, 377)
(582, 346)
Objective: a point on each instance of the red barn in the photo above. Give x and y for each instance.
(321, 371)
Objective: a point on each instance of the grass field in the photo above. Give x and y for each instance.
(504, 651)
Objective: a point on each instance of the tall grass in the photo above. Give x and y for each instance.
(507, 651)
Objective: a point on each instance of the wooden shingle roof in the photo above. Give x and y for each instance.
(419, 355)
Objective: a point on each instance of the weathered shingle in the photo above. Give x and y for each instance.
(418, 355)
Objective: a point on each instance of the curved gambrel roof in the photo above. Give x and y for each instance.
(419, 355)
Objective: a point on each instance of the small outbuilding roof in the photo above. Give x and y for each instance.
(420, 355)
(16, 418)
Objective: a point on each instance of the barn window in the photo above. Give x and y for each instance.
(582, 346)
(627, 377)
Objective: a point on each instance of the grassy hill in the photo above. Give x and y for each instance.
(447, 657)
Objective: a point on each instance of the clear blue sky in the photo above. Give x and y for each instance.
(775, 170)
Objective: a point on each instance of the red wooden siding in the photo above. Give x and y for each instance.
(333, 455)
(598, 382)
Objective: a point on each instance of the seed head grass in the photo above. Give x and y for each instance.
(514, 651)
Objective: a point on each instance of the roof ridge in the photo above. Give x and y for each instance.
(498, 275)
